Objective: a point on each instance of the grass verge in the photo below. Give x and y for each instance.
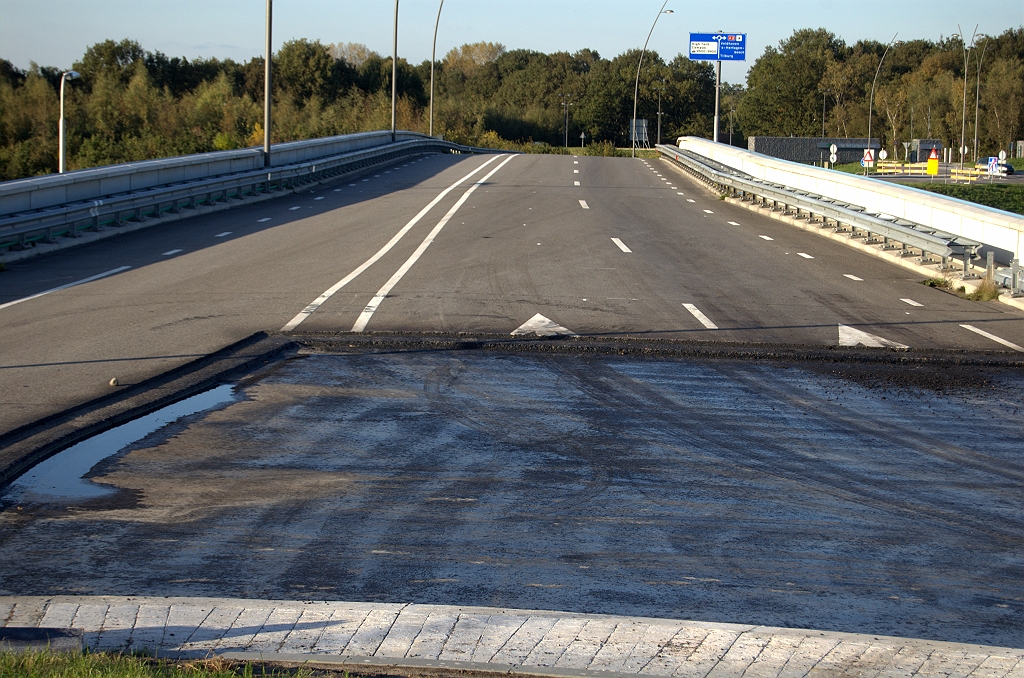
(986, 291)
(1008, 197)
(113, 665)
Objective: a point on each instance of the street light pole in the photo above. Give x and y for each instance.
(394, 76)
(61, 155)
(566, 105)
(977, 99)
(636, 88)
(660, 90)
(871, 99)
(267, 87)
(433, 52)
(963, 116)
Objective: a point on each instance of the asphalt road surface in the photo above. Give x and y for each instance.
(601, 246)
(718, 490)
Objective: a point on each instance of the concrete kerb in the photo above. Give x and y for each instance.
(85, 237)
(804, 225)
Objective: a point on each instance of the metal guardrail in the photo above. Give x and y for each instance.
(853, 219)
(21, 229)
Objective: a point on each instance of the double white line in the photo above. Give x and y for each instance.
(328, 293)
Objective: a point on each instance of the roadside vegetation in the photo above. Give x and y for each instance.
(114, 665)
(986, 291)
(133, 104)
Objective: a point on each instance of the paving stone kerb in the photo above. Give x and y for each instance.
(488, 639)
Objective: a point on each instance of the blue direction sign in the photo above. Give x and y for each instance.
(718, 46)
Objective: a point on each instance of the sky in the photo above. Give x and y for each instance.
(57, 32)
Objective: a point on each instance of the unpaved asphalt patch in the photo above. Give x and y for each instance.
(799, 494)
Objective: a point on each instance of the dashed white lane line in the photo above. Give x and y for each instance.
(853, 277)
(762, 237)
(221, 235)
(576, 183)
(263, 220)
(167, 254)
(383, 292)
(621, 245)
(319, 197)
(66, 286)
(805, 255)
(733, 223)
(708, 212)
(308, 311)
(292, 209)
(584, 205)
(690, 200)
(911, 302)
(575, 171)
(575, 162)
(1000, 340)
(350, 185)
(680, 193)
(337, 190)
(704, 320)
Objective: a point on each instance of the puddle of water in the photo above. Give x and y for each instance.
(59, 478)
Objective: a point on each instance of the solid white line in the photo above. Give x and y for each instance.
(221, 235)
(308, 311)
(621, 245)
(382, 293)
(167, 254)
(762, 237)
(911, 302)
(704, 320)
(1004, 342)
(584, 205)
(805, 255)
(853, 277)
(64, 287)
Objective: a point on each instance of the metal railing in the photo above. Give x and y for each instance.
(888, 232)
(44, 225)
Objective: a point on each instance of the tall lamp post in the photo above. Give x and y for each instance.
(871, 99)
(660, 91)
(963, 116)
(566, 104)
(61, 156)
(977, 99)
(394, 76)
(636, 88)
(433, 53)
(267, 88)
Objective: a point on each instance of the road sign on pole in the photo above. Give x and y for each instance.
(869, 158)
(833, 149)
(883, 154)
(993, 165)
(718, 46)
(832, 158)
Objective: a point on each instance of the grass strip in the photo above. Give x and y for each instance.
(48, 664)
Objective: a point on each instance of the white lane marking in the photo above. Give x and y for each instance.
(382, 293)
(690, 200)
(542, 327)
(680, 193)
(1004, 342)
(762, 237)
(66, 286)
(337, 190)
(621, 245)
(365, 180)
(349, 184)
(319, 197)
(733, 223)
(575, 162)
(851, 336)
(805, 255)
(292, 209)
(911, 302)
(576, 183)
(221, 235)
(584, 205)
(264, 219)
(708, 212)
(704, 320)
(853, 277)
(575, 171)
(308, 311)
(167, 254)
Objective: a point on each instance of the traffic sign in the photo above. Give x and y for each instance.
(718, 46)
(1002, 156)
(993, 165)
(883, 154)
(833, 157)
(933, 163)
(833, 149)
(869, 158)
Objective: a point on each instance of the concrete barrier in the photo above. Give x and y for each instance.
(1002, 232)
(23, 195)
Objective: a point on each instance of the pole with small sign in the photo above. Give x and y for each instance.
(583, 138)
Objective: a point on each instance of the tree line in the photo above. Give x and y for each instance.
(920, 90)
(131, 104)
